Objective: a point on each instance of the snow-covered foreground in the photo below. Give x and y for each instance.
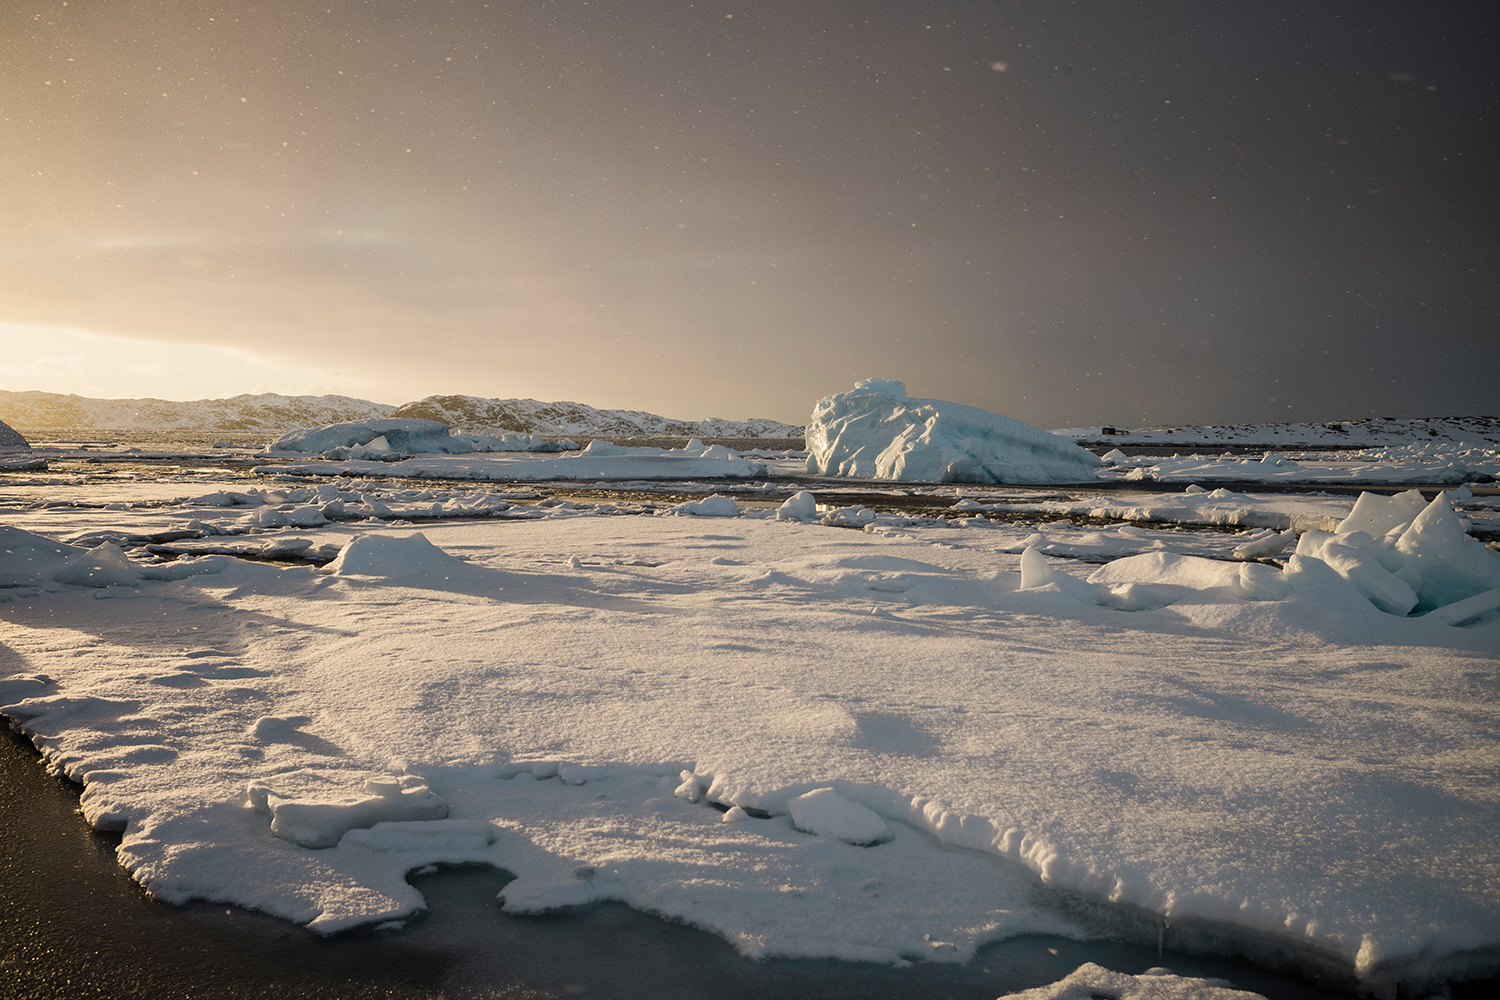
(888, 744)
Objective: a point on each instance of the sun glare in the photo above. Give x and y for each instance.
(67, 360)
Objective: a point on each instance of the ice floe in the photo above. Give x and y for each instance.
(387, 438)
(599, 461)
(702, 717)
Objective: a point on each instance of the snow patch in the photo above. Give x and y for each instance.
(825, 813)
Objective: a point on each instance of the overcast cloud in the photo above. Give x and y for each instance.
(1067, 213)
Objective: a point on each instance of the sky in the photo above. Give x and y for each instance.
(1068, 213)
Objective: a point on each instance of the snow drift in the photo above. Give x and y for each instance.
(877, 430)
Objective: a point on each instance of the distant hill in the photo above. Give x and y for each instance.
(270, 415)
(265, 414)
(477, 415)
(1365, 432)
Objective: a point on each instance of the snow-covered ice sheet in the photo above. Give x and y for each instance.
(1435, 463)
(584, 694)
(1218, 507)
(600, 460)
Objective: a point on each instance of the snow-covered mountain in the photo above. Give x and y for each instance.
(267, 413)
(1366, 432)
(477, 415)
(272, 415)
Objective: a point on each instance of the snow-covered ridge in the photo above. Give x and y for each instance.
(273, 415)
(1371, 432)
(477, 415)
(266, 413)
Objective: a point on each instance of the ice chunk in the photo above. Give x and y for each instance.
(1090, 980)
(691, 789)
(105, 565)
(1266, 544)
(1476, 610)
(393, 555)
(1376, 514)
(800, 506)
(876, 430)
(28, 558)
(268, 517)
(323, 824)
(1440, 561)
(1274, 460)
(826, 813)
(1114, 456)
(181, 569)
(1193, 572)
(370, 506)
(1385, 590)
(714, 506)
(1262, 583)
(1315, 579)
(307, 517)
(1311, 542)
(848, 517)
(1034, 569)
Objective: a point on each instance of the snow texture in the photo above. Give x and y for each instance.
(1133, 715)
(877, 431)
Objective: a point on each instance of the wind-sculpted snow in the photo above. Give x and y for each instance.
(771, 726)
(877, 431)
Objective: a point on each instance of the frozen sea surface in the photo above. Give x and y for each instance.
(618, 706)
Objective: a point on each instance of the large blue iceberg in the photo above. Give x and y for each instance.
(878, 431)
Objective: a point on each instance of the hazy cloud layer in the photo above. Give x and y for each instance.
(1202, 212)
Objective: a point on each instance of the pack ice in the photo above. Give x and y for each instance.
(876, 430)
(780, 730)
